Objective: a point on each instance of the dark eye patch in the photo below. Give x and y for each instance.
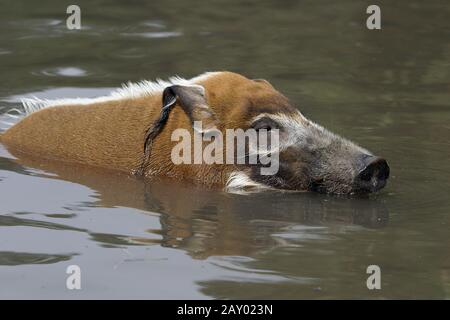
(265, 123)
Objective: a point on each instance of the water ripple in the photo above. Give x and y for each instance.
(154, 35)
(64, 72)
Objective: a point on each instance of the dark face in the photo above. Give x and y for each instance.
(312, 158)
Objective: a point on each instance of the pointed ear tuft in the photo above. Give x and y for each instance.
(192, 100)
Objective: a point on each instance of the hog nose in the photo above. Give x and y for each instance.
(373, 176)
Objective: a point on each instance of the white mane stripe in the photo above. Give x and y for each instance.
(14, 116)
(128, 91)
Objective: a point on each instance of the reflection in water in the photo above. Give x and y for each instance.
(19, 258)
(64, 72)
(388, 91)
(208, 223)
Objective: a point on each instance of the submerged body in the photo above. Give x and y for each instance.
(127, 131)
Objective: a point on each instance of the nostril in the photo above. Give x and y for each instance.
(374, 166)
(383, 172)
(374, 175)
(366, 174)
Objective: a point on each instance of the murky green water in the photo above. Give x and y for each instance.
(388, 90)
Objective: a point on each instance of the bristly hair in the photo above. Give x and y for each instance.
(129, 90)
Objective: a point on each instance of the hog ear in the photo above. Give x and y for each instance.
(193, 102)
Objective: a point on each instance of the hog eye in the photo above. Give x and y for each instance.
(265, 123)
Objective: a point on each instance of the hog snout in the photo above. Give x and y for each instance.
(373, 175)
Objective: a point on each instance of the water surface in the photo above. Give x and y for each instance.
(387, 90)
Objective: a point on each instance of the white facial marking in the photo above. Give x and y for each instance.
(292, 125)
(240, 182)
(297, 128)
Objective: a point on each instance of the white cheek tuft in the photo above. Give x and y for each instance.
(293, 126)
(240, 183)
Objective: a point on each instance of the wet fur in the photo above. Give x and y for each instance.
(112, 132)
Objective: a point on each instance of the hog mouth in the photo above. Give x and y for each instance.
(241, 183)
(370, 180)
(330, 187)
(371, 177)
(339, 188)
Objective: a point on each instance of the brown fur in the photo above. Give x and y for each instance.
(111, 134)
(133, 135)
